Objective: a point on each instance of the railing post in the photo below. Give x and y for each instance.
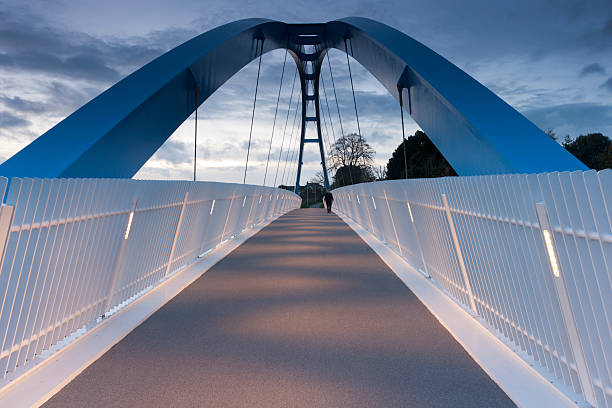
(567, 313)
(466, 281)
(418, 240)
(251, 209)
(6, 219)
(176, 233)
(205, 232)
(229, 212)
(399, 246)
(119, 260)
(369, 215)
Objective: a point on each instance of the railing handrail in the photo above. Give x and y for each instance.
(535, 250)
(75, 250)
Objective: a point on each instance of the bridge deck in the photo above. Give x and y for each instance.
(303, 314)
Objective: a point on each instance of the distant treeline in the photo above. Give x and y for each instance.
(425, 160)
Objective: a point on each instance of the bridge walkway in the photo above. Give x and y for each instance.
(303, 314)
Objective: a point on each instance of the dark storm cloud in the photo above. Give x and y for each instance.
(262, 156)
(81, 66)
(468, 28)
(28, 44)
(64, 99)
(530, 50)
(175, 152)
(573, 118)
(594, 68)
(8, 120)
(599, 37)
(157, 40)
(60, 99)
(255, 145)
(36, 47)
(23, 105)
(377, 105)
(381, 137)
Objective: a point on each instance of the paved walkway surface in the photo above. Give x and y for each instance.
(304, 314)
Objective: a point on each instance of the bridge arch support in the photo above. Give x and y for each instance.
(114, 134)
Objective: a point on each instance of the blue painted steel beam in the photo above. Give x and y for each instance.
(114, 134)
(475, 130)
(118, 131)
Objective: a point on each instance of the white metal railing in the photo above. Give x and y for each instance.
(73, 250)
(529, 254)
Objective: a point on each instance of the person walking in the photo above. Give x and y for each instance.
(329, 199)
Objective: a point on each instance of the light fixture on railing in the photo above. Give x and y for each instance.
(129, 226)
(410, 211)
(373, 202)
(212, 207)
(565, 305)
(551, 253)
(548, 238)
(244, 201)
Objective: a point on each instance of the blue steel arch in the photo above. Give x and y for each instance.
(115, 133)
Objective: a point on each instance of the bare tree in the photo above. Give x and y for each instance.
(318, 178)
(380, 172)
(351, 157)
(351, 150)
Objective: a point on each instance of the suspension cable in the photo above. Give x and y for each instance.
(246, 165)
(352, 87)
(289, 149)
(295, 154)
(329, 142)
(328, 110)
(298, 133)
(275, 112)
(355, 103)
(403, 131)
(285, 130)
(323, 114)
(326, 129)
(291, 174)
(329, 146)
(332, 126)
(288, 180)
(195, 136)
(339, 117)
(335, 95)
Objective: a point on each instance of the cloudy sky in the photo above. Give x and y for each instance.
(551, 60)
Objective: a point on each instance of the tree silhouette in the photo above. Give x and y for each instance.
(422, 157)
(593, 149)
(351, 158)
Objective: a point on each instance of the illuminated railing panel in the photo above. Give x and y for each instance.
(73, 250)
(529, 254)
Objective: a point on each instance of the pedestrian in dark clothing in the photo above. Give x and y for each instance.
(329, 199)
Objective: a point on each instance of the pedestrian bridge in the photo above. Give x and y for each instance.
(305, 313)
(489, 289)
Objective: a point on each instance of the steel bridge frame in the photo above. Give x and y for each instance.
(114, 134)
